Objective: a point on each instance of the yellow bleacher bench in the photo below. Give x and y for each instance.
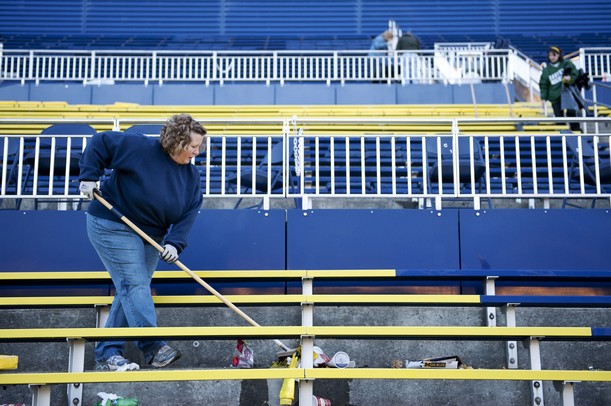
(8, 362)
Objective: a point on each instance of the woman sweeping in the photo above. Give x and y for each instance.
(154, 184)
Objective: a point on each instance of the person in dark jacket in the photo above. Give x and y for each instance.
(558, 73)
(409, 42)
(154, 184)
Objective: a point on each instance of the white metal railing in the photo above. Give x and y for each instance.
(306, 158)
(447, 63)
(99, 67)
(405, 163)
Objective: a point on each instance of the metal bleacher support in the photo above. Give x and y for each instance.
(76, 338)
(437, 249)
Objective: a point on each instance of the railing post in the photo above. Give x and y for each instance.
(214, 65)
(512, 351)
(41, 395)
(30, 67)
(76, 363)
(491, 291)
(455, 161)
(92, 74)
(535, 365)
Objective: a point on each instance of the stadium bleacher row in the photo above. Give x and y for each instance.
(522, 296)
(385, 157)
(73, 292)
(533, 46)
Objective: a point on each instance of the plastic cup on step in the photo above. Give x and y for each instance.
(339, 360)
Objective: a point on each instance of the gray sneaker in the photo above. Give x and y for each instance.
(114, 363)
(164, 356)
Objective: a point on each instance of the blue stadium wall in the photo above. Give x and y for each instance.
(200, 18)
(426, 240)
(255, 94)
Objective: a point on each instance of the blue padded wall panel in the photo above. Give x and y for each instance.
(126, 93)
(535, 239)
(372, 239)
(14, 91)
(46, 240)
(174, 94)
(73, 93)
(244, 94)
(425, 94)
(305, 94)
(235, 239)
(366, 94)
(493, 93)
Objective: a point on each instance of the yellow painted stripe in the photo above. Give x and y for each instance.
(158, 275)
(56, 301)
(393, 299)
(461, 374)
(165, 375)
(209, 274)
(168, 375)
(248, 299)
(9, 361)
(59, 334)
(244, 299)
(351, 273)
(295, 331)
(52, 275)
(447, 331)
(244, 274)
(162, 300)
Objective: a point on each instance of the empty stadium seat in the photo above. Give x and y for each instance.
(445, 161)
(588, 157)
(271, 162)
(52, 160)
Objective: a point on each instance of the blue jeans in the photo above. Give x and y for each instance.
(131, 262)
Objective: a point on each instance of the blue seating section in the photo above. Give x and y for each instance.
(495, 180)
(312, 25)
(535, 46)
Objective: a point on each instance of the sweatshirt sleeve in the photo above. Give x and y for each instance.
(574, 71)
(179, 233)
(103, 151)
(544, 85)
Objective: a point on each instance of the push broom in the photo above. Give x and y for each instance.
(199, 280)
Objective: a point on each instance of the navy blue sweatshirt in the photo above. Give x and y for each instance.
(146, 185)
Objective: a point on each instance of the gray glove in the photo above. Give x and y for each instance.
(169, 254)
(87, 187)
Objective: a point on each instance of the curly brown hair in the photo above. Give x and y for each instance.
(176, 133)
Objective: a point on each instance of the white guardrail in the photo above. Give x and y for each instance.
(451, 63)
(97, 67)
(308, 158)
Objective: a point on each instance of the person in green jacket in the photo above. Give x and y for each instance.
(558, 72)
